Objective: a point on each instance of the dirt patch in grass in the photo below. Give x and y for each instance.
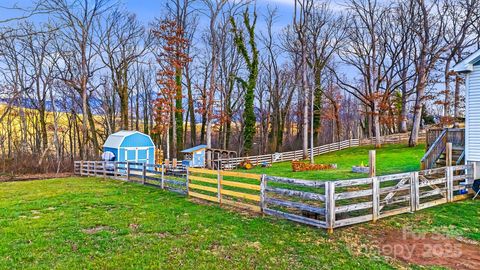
(428, 249)
(97, 229)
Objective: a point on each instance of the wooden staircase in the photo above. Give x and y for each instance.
(458, 155)
(437, 140)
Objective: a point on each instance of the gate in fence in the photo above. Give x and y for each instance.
(335, 204)
(328, 205)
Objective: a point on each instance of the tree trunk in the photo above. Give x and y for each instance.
(417, 116)
(403, 110)
(43, 127)
(446, 102)
(123, 95)
(178, 112)
(209, 143)
(93, 131)
(137, 111)
(173, 139)
(376, 124)
(146, 123)
(228, 126)
(403, 114)
(191, 111)
(317, 109)
(84, 120)
(456, 104)
(312, 110)
(306, 97)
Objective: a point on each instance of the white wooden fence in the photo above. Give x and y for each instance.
(335, 204)
(163, 176)
(231, 163)
(328, 205)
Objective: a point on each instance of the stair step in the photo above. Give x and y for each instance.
(453, 158)
(444, 162)
(453, 154)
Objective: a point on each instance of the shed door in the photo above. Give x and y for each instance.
(142, 155)
(199, 159)
(130, 154)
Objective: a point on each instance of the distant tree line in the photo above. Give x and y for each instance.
(73, 72)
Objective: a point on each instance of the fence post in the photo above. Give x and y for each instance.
(144, 173)
(474, 171)
(162, 178)
(416, 191)
(95, 168)
(88, 168)
(413, 198)
(372, 160)
(81, 167)
(449, 176)
(375, 199)
(115, 169)
(263, 186)
(219, 186)
(104, 169)
(330, 205)
(187, 181)
(128, 171)
(448, 155)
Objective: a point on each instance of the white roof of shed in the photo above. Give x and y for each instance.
(466, 65)
(116, 139)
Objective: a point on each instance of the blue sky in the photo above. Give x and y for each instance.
(146, 10)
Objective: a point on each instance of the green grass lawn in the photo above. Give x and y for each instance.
(391, 158)
(85, 223)
(460, 219)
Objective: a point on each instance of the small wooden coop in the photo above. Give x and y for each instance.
(196, 156)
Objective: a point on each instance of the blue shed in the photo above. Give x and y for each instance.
(195, 156)
(131, 146)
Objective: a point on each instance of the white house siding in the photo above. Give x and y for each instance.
(472, 139)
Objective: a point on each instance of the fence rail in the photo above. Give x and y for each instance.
(288, 156)
(393, 138)
(236, 189)
(335, 204)
(328, 205)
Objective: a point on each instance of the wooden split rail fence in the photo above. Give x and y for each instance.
(328, 205)
(226, 187)
(335, 204)
(163, 176)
